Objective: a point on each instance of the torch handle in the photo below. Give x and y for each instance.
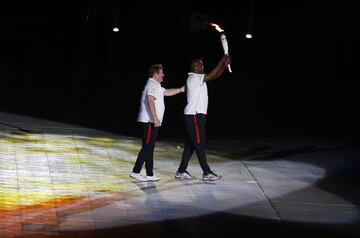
(225, 47)
(229, 68)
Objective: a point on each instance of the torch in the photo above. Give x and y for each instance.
(223, 41)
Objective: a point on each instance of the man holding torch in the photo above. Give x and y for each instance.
(195, 117)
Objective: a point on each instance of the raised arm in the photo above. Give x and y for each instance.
(219, 69)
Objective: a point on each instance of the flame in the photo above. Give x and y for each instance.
(217, 27)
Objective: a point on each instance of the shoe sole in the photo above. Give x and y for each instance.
(184, 178)
(212, 179)
(138, 179)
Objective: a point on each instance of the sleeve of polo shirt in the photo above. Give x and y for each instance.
(151, 91)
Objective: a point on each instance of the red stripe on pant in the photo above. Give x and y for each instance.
(149, 134)
(197, 130)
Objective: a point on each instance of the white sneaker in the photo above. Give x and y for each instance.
(152, 178)
(138, 176)
(211, 176)
(185, 175)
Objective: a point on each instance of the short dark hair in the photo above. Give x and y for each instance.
(155, 68)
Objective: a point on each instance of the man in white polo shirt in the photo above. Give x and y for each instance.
(195, 117)
(150, 116)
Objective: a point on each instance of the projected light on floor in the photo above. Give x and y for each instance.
(53, 182)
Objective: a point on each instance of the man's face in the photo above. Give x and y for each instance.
(199, 67)
(159, 76)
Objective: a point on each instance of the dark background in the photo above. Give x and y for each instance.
(299, 75)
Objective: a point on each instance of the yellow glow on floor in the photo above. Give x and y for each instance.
(53, 182)
(38, 169)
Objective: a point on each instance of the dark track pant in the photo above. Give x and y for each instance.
(146, 153)
(196, 139)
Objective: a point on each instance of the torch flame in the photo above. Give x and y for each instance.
(217, 27)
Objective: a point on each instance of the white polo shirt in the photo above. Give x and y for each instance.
(152, 88)
(197, 94)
